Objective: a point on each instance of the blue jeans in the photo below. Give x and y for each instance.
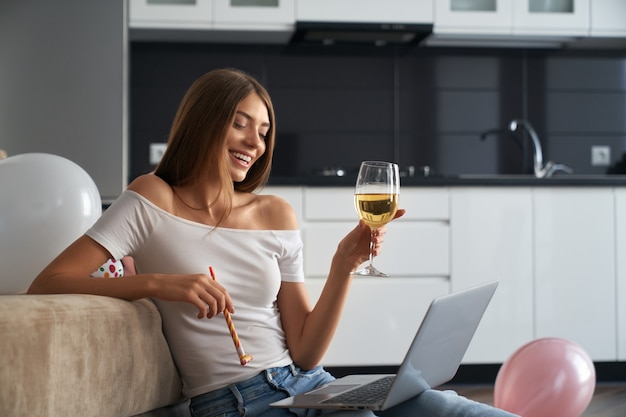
(251, 397)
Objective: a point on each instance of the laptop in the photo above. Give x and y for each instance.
(432, 359)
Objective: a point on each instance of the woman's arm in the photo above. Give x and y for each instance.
(70, 273)
(310, 331)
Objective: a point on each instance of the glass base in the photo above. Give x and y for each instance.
(369, 271)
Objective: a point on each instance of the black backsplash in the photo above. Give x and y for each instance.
(422, 107)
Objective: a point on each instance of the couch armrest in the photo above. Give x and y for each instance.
(83, 355)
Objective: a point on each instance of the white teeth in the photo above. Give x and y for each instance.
(242, 156)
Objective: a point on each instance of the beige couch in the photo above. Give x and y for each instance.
(83, 355)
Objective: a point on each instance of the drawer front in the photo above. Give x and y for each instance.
(411, 248)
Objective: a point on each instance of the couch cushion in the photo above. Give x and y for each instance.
(83, 355)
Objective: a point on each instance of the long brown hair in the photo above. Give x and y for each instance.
(198, 136)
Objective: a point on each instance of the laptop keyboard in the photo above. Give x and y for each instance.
(371, 393)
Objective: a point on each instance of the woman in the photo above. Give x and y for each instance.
(199, 210)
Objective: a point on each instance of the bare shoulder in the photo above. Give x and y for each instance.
(277, 213)
(154, 189)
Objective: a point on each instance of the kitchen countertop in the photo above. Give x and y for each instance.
(564, 180)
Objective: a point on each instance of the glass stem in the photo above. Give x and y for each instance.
(372, 232)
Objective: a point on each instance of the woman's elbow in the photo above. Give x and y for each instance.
(35, 289)
(306, 362)
(38, 286)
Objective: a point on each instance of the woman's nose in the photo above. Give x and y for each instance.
(253, 138)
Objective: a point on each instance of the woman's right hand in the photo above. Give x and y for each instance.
(354, 248)
(209, 297)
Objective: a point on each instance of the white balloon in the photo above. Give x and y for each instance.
(46, 202)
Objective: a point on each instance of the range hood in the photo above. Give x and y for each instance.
(374, 34)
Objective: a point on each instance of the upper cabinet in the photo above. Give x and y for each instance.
(455, 22)
(212, 14)
(365, 11)
(551, 17)
(512, 17)
(257, 14)
(173, 14)
(224, 21)
(608, 18)
(477, 16)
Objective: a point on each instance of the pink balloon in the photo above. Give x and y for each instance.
(545, 378)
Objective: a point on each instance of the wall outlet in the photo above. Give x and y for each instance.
(600, 156)
(156, 152)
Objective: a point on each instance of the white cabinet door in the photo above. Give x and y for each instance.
(189, 14)
(365, 11)
(381, 317)
(620, 253)
(608, 18)
(473, 16)
(491, 240)
(254, 14)
(561, 17)
(247, 15)
(512, 17)
(575, 267)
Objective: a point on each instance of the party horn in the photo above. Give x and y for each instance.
(244, 358)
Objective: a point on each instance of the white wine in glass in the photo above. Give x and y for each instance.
(376, 201)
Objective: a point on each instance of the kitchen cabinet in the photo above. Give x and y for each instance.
(478, 16)
(574, 253)
(365, 11)
(554, 250)
(254, 14)
(492, 239)
(547, 17)
(620, 262)
(380, 318)
(382, 314)
(190, 14)
(608, 18)
(516, 17)
(412, 249)
(415, 245)
(212, 14)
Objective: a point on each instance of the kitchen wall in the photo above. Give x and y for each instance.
(336, 107)
(62, 85)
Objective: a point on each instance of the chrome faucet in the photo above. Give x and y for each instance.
(540, 170)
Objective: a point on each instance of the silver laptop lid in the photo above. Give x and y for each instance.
(444, 335)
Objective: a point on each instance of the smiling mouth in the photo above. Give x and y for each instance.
(242, 157)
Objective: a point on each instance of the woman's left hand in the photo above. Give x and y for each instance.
(355, 246)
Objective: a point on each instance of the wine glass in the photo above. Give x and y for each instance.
(376, 202)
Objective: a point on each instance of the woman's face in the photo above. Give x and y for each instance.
(246, 137)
